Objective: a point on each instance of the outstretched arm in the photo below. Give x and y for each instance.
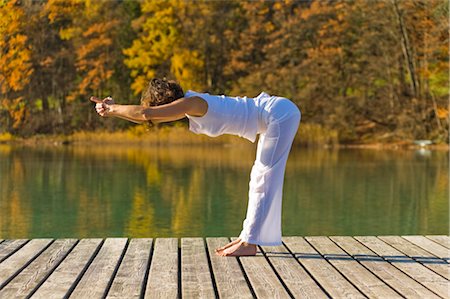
(195, 106)
(107, 107)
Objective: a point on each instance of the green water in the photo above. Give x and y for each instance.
(81, 191)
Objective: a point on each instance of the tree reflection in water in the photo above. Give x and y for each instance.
(202, 191)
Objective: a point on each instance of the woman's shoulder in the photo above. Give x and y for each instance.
(198, 104)
(192, 93)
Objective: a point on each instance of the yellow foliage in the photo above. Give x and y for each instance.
(15, 53)
(61, 9)
(185, 65)
(69, 33)
(159, 44)
(16, 109)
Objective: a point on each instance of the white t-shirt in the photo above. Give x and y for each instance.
(227, 115)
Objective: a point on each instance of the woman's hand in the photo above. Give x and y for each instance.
(104, 106)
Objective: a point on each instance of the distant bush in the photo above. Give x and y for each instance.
(316, 135)
(308, 135)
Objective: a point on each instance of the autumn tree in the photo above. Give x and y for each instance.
(15, 64)
(354, 67)
(188, 41)
(158, 49)
(93, 27)
(211, 29)
(246, 60)
(92, 35)
(422, 30)
(370, 70)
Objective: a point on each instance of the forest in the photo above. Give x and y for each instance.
(369, 70)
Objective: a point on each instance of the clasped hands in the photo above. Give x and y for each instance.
(103, 107)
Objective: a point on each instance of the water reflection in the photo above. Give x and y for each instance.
(191, 191)
(369, 192)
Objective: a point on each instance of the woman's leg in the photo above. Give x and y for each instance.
(262, 225)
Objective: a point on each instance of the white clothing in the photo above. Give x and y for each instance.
(276, 119)
(225, 115)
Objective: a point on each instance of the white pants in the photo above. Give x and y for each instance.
(262, 225)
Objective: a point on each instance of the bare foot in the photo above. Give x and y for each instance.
(240, 249)
(221, 249)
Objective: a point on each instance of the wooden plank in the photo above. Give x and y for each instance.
(425, 276)
(60, 281)
(442, 240)
(95, 281)
(263, 279)
(294, 276)
(163, 275)
(417, 253)
(392, 276)
(409, 267)
(430, 246)
(8, 247)
(130, 276)
(15, 263)
(24, 283)
(360, 277)
(230, 280)
(195, 275)
(328, 277)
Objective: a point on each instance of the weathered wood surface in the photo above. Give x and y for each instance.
(294, 276)
(95, 281)
(324, 273)
(360, 277)
(430, 246)
(196, 279)
(19, 260)
(230, 281)
(130, 277)
(303, 267)
(263, 279)
(443, 240)
(8, 247)
(399, 281)
(434, 282)
(425, 258)
(58, 284)
(25, 282)
(163, 277)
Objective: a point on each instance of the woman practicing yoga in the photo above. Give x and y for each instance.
(275, 119)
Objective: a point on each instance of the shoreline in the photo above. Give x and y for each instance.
(395, 146)
(127, 139)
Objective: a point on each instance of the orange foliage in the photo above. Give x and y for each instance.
(15, 54)
(349, 63)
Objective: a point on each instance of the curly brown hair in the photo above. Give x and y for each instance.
(160, 92)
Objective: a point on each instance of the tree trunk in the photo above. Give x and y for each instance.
(407, 51)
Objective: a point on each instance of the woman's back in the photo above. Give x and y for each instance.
(227, 115)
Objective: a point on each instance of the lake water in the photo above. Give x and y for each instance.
(82, 191)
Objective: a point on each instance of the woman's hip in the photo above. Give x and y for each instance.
(281, 109)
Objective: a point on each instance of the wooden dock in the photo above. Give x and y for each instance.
(303, 267)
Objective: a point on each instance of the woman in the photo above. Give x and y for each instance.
(275, 119)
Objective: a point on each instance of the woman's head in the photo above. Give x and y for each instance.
(160, 92)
